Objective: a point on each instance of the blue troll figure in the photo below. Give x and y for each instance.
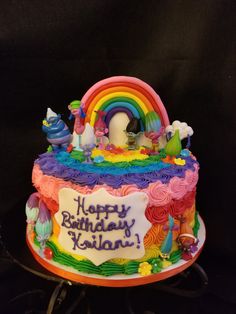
(58, 133)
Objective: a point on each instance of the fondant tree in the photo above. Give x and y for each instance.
(174, 146)
(185, 131)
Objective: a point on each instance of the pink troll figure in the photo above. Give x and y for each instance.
(76, 109)
(100, 129)
(154, 129)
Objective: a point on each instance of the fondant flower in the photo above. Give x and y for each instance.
(186, 256)
(98, 159)
(179, 161)
(156, 265)
(166, 263)
(185, 152)
(145, 269)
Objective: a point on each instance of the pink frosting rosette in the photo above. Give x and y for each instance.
(54, 189)
(36, 175)
(158, 193)
(157, 214)
(128, 189)
(177, 187)
(109, 189)
(48, 185)
(191, 178)
(81, 189)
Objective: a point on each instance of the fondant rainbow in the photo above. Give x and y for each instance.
(123, 94)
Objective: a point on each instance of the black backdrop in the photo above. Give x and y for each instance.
(51, 52)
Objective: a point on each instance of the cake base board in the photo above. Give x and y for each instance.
(117, 280)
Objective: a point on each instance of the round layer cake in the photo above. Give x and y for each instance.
(105, 207)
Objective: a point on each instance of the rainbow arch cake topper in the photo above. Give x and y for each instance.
(123, 94)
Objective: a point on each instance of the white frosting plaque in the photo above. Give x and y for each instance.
(101, 226)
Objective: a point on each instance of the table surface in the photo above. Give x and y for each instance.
(13, 230)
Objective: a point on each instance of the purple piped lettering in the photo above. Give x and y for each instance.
(80, 205)
(97, 244)
(100, 210)
(80, 223)
(84, 224)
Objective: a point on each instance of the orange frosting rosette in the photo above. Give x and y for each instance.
(151, 236)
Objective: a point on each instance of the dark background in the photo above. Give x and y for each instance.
(52, 52)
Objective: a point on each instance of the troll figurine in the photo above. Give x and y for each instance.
(77, 112)
(100, 129)
(132, 132)
(154, 129)
(57, 131)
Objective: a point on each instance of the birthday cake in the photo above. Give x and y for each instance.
(117, 194)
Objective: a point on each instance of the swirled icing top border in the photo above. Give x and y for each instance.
(64, 167)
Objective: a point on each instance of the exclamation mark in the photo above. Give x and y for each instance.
(138, 240)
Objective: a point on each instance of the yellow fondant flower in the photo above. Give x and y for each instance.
(179, 161)
(166, 263)
(145, 269)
